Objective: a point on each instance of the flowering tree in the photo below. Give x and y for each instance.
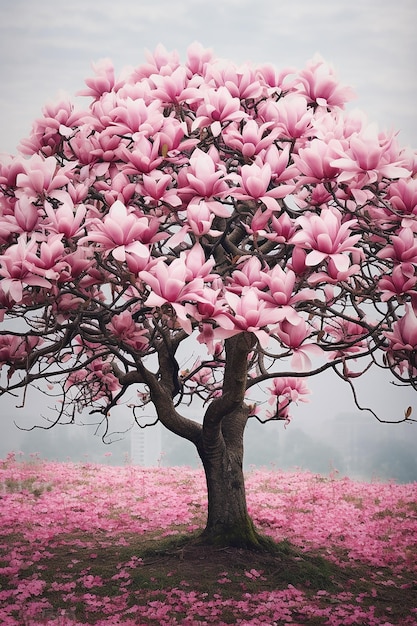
(200, 231)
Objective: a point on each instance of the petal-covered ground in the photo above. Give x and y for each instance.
(84, 544)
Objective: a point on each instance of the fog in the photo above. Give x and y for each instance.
(329, 435)
(47, 48)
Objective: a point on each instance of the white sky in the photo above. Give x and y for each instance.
(47, 47)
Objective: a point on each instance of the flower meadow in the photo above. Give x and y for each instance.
(72, 539)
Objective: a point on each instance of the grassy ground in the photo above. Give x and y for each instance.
(224, 577)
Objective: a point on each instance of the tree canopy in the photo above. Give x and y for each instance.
(198, 202)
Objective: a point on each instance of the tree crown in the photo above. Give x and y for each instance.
(239, 208)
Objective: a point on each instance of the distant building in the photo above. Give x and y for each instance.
(146, 445)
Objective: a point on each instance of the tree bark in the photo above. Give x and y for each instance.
(228, 520)
(221, 452)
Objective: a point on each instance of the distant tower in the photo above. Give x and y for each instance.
(146, 445)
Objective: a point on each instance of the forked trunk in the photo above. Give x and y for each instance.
(219, 441)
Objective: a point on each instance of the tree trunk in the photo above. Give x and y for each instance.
(228, 520)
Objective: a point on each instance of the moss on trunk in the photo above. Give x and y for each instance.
(241, 534)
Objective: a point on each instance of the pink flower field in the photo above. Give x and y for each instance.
(92, 544)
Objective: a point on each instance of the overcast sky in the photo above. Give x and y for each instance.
(47, 47)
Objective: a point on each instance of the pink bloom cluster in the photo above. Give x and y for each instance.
(202, 197)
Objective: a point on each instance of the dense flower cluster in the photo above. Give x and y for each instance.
(211, 199)
(50, 509)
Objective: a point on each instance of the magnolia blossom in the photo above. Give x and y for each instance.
(249, 314)
(168, 285)
(16, 350)
(294, 336)
(403, 248)
(284, 391)
(66, 219)
(255, 182)
(328, 237)
(218, 106)
(17, 268)
(403, 280)
(43, 175)
(125, 329)
(252, 138)
(120, 233)
(369, 158)
(404, 334)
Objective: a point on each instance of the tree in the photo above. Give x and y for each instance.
(236, 209)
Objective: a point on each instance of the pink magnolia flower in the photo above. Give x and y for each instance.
(290, 116)
(128, 116)
(281, 168)
(218, 107)
(369, 158)
(200, 218)
(58, 121)
(79, 262)
(43, 175)
(320, 85)
(198, 58)
(248, 274)
(251, 139)
(15, 349)
(211, 307)
(327, 237)
(124, 328)
(315, 161)
(175, 87)
(16, 268)
(196, 264)
(250, 314)
(51, 257)
(107, 145)
(145, 157)
(403, 248)
(401, 281)
(284, 391)
(403, 197)
(65, 305)
(26, 214)
(168, 285)
(350, 336)
(159, 62)
(121, 233)
(255, 181)
(403, 336)
(293, 336)
(156, 187)
(119, 187)
(172, 135)
(242, 83)
(204, 176)
(332, 275)
(282, 227)
(282, 293)
(66, 219)
(102, 82)
(10, 167)
(272, 78)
